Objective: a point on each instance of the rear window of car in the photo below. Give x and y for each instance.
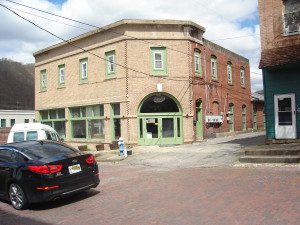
(18, 136)
(31, 135)
(44, 150)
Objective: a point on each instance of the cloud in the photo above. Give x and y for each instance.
(221, 18)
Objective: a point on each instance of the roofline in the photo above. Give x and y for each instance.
(120, 23)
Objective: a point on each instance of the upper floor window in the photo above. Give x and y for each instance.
(83, 70)
(291, 17)
(229, 72)
(3, 122)
(242, 76)
(214, 69)
(158, 61)
(61, 75)
(110, 63)
(197, 62)
(43, 80)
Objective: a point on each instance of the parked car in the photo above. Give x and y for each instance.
(38, 171)
(32, 131)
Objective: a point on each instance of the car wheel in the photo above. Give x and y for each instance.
(17, 197)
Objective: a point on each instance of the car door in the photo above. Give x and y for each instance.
(5, 168)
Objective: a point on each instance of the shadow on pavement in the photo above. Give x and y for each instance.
(64, 201)
(8, 218)
(252, 141)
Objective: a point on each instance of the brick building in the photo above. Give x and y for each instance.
(258, 111)
(280, 63)
(149, 81)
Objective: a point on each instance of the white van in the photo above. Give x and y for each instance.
(32, 131)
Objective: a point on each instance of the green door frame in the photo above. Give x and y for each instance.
(231, 116)
(244, 121)
(143, 138)
(199, 119)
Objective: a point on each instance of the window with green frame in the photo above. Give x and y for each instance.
(87, 122)
(110, 64)
(242, 73)
(197, 62)
(214, 68)
(3, 122)
(158, 61)
(56, 119)
(83, 74)
(43, 80)
(61, 75)
(229, 72)
(115, 121)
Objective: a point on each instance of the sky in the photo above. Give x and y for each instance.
(232, 24)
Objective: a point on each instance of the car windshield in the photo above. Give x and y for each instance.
(44, 150)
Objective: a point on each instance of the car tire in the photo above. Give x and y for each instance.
(17, 197)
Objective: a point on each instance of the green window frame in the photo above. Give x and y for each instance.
(197, 63)
(61, 75)
(55, 118)
(214, 67)
(115, 114)
(229, 72)
(87, 122)
(242, 75)
(244, 118)
(110, 63)
(158, 61)
(83, 75)
(43, 80)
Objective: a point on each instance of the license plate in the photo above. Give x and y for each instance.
(74, 169)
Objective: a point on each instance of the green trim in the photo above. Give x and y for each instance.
(231, 116)
(43, 76)
(197, 57)
(199, 119)
(110, 74)
(244, 118)
(112, 117)
(81, 62)
(59, 83)
(163, 52)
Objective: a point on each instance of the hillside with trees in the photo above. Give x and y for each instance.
(16, 85)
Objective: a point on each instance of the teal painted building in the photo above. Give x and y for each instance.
(280, 64)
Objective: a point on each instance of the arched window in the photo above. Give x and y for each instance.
(214, 69)
(242, 74)
(159, 104)
(197, 62)
(229, 72)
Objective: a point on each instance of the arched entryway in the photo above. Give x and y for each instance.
(159, 120)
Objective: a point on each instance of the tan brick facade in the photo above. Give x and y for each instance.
(134, 80)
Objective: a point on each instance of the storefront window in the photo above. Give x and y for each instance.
(56, 119)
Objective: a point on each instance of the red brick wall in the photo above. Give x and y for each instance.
(260, 115)
(220, 91)
(4, 134)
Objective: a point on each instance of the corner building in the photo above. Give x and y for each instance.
(153, 82)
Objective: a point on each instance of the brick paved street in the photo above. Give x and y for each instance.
(143, 195)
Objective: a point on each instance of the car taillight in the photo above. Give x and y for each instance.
(45, 169)
(90, 160)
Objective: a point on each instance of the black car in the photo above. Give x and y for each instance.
(38, 171)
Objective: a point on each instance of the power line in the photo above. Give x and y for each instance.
(229, 38)
(111, 31)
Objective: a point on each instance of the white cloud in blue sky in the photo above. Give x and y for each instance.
(221, 18)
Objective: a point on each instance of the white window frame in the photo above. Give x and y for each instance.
(161, 60)
(84, 73)
(43, 80)
(229, 73)
(110, 64)
(214, 69)
(242, 76)
(61, 81)
(197, 62)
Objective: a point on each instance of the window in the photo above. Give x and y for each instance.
(83, 70)
(61, 75)
(26, 121)
(88, 122)
(214, 69)
(110, 63)
(12, 122)
(291, 17)
(116, 121)
(229, 72)
(197, 62)
(242, 77)
(18, 136)
(43, 80)
(6, 155)
(56, 119)
(3, 122)
(158, 61)
(31, 135)
(244, 125)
